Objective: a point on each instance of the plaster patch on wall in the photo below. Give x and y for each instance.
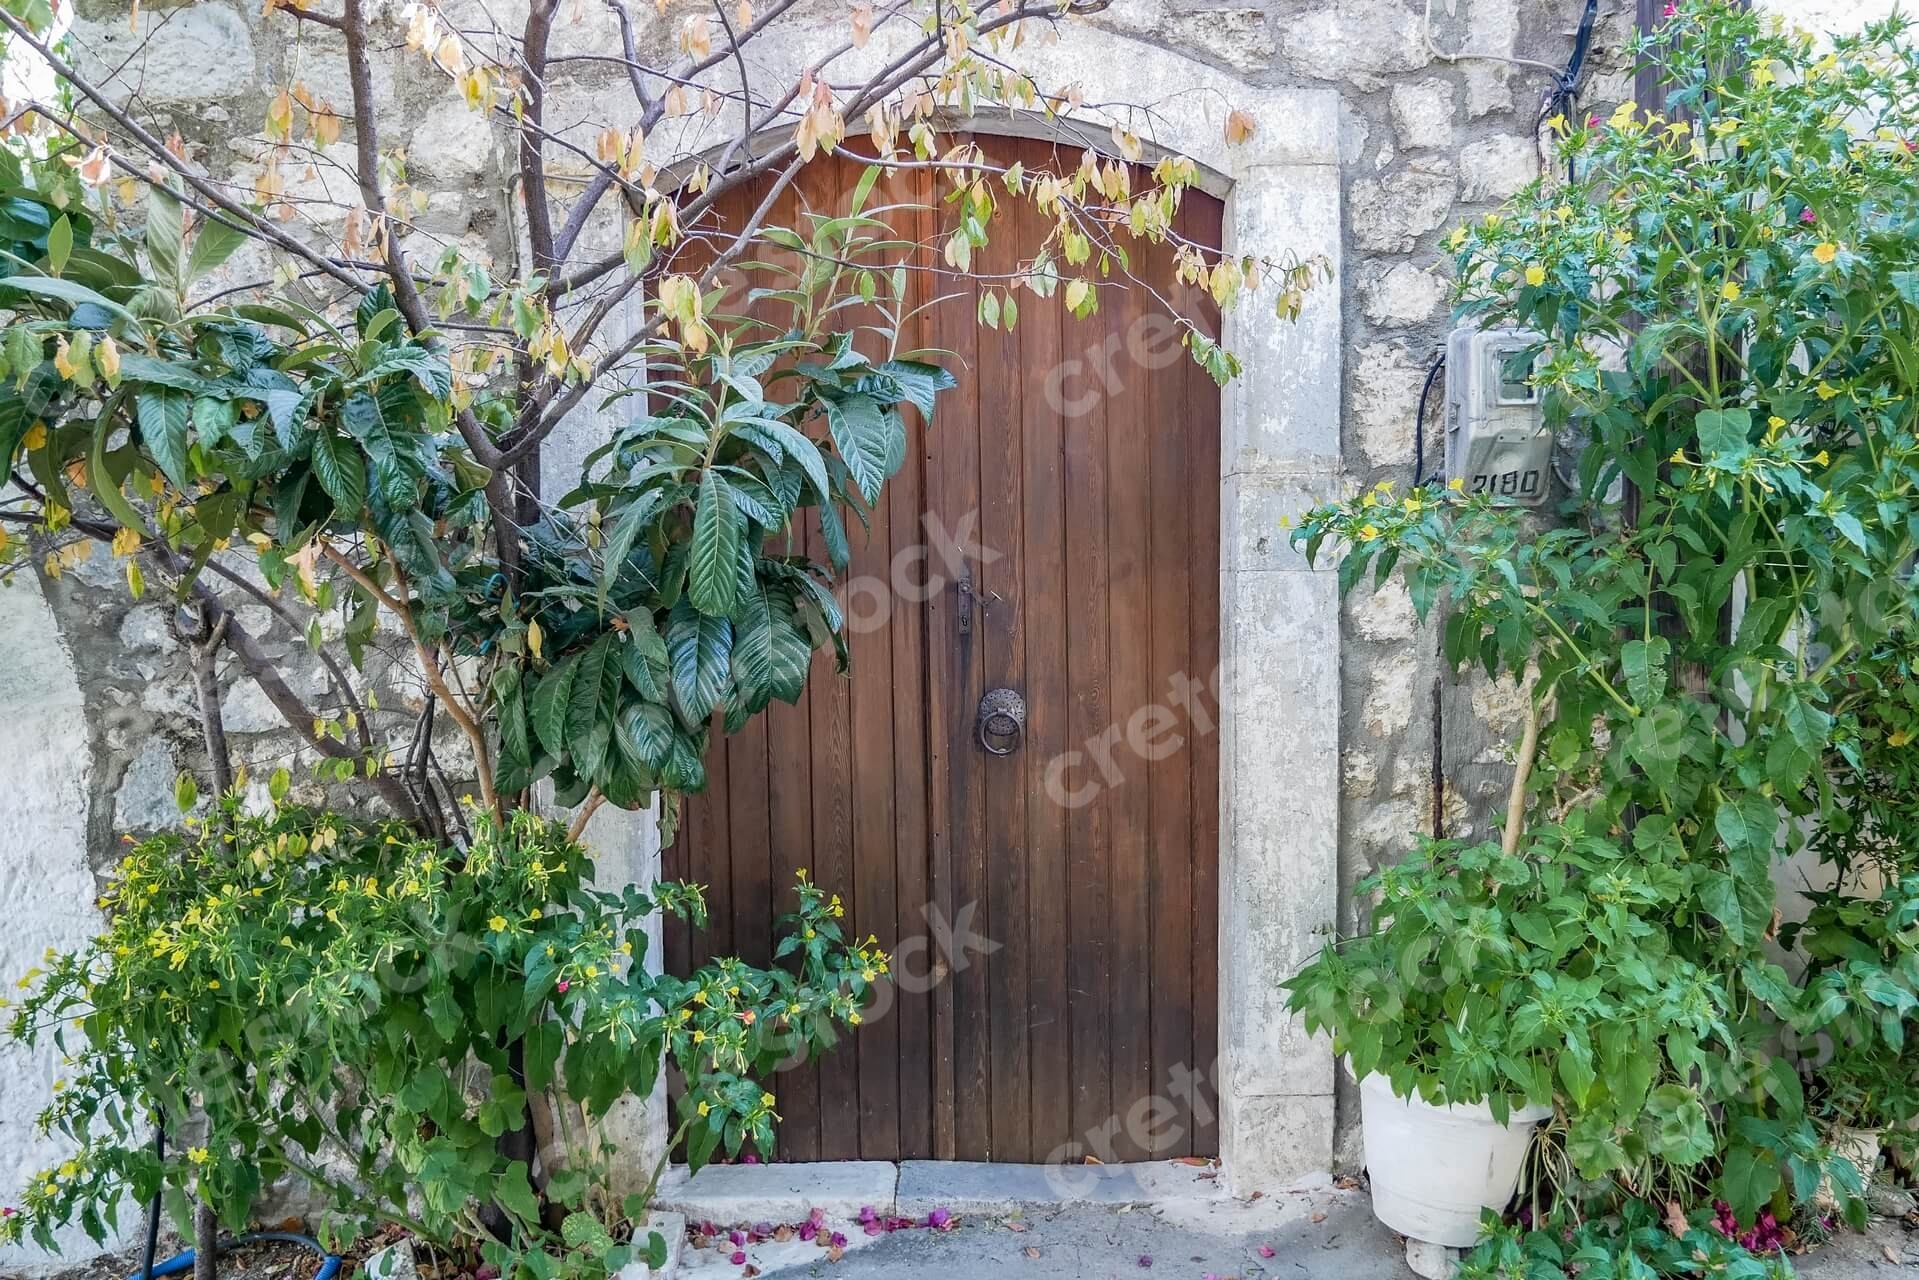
(45, 879)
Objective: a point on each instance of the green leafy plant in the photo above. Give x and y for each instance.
(371, 1011)
(1726, 313)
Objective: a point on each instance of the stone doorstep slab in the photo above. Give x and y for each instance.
(732, 1194)
(968, 1188)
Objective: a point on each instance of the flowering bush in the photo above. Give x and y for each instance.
(1726, 307)
(371, 1011)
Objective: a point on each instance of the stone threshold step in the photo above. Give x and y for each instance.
(735, 1193)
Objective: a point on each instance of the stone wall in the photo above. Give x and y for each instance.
(1425, 138)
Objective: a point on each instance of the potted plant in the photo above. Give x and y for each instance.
(1684, 651)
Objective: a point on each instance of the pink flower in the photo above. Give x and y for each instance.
(9, 1212)
(739, 1258)
(749, 1159)
(563, 985)
(1807, 215)
(868, 1214)
(939, 1219)
(808, 1230)
(817, 1218)
(1669, 10)
(736, 1238)
(837, 1239)
(1145, 1260)
(1267, 1251)
(1592, 122)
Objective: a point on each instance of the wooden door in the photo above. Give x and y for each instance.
(1056, 533)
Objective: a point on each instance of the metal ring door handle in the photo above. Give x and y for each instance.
(1002, 722)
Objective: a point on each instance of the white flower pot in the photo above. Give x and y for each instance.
(1860, 1149)
(1433, 1169)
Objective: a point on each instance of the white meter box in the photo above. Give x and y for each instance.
(1496, 440)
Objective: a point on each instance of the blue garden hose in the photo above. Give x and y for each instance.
(183, 1261)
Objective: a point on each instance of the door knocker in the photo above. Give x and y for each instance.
(1002, 722)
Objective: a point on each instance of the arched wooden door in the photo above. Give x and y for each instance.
(1055, 533)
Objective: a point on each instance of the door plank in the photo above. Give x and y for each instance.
(1004, 382)
(1202, 406)
(1128, 518)
(1169, 787)
(953, 645)
(1043, 521)
(789, 793)
(1089, 713)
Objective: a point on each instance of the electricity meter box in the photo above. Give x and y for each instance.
(1496, 439)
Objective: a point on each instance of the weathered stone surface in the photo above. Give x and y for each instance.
(1358, 774)
(1383, 400)
(1423, 113)
(453, 143)
(1393, 213)
(145, 628)
(246, 709)
(1240, 38)
(144, 801)
(1389, 700)
(1361, 41)
(1401, 295)
(180, 55)
(1385, 613)
(1494, 168)
(1500, 704)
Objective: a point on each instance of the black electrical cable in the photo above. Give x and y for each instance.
(1419, 422)
(1565, 89)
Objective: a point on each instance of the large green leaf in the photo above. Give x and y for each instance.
(627, 527)
(549, 703)
(213, 243)
(163, 415)
(593, 705)
(718, 530)
(341, 472)
(165, 235)
(860, 433)
(701, 649)
(920, 383)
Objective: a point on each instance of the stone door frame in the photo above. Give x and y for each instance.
(1278, 686)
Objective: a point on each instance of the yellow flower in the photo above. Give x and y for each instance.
(213, 984)
(699, 1037)
(1899, 738)
(1825, 252)
(592, 971)
(1369, 531)
(69, 1169)
(533, 914)
(1825, 390)
(1678, 458)
(853, 1019)
(706, 1108)
(1730, 291)
(1776, 422)
(766, 1100)
(1557, 123)
(626, 948)
(197, 1154)
(868, 974)
(497, 924)
(1456, 484)
(1822, 458)
(1535, 276)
